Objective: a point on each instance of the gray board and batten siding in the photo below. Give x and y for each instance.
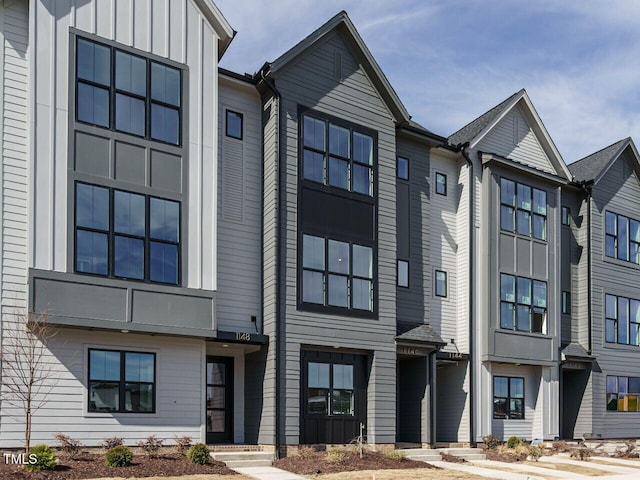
(310, 81)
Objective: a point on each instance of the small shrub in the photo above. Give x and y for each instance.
(151, 446)
(119, 456)
(491, 442)
(629, 452)
(306, 452)
(112, 442)
(397, 455)
(70, 446)
(514, 442)
(199, 454)
(45, 458)
(535, 452)
(335, 455)
(560, 446)
(582, 453)
(182, 444)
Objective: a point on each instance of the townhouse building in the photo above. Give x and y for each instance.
(287, 258)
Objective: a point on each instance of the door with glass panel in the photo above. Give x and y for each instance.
(219, 400)
(333, 397)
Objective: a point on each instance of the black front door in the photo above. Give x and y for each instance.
(219, 399)
(334, 397)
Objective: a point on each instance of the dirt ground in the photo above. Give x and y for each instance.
(92, 466)
(409, 474)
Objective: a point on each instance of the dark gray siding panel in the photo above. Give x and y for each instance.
(130, 163)
(254, 376)
(92, 154)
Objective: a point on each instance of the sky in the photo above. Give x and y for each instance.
(451, 60)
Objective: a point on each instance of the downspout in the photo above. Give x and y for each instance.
(279, 373)
(472, 433)
(589, 295)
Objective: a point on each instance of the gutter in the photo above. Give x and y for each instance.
(278, 343)
(472, 433)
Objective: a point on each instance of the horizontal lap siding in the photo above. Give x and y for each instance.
(309, 81)
(240, 210)
(619, 192)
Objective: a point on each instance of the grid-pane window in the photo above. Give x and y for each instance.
(339, 156)
(122, 100)
(623, 393)
(441, 183)
(127, 235)
(121, 381)
(523, 209)
(336, 273)
(508, 397)
(523, 304)
(330, 389)
(622, 238)
(622, 320)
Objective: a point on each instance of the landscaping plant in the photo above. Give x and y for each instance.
(182, 444)
(335, 455)
(491, 442)
(514, 442)
(120, 456)
(199, 454)
(112, 442)
(45, 458)
(70, 446)
(151, 445)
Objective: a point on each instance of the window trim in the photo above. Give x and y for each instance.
(509, 397)
(408, 283)
(405, 159)
(435, 284)
(122, 382)
(112, 234)
(111, 89)
(227, 111)
(516, 208)
(444, 176)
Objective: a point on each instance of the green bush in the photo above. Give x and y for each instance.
(120, 456)
(199, 454)
(514, 442)
(396, 455)
(45, 458)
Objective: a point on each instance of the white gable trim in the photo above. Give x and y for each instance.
(628, 144)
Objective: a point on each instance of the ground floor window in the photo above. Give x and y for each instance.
(121, 381)
(330, 389)
(623, 393)
(508, 397)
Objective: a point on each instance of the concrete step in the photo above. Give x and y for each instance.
(230, 456)
(247, 463)
(468, 454)
(425, 458)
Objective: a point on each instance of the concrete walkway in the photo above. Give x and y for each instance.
(592, 465)
(620, 461)
(486, 472)
(268, 473)
(544, 472)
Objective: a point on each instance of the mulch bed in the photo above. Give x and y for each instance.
(505, 457)
(92, 466)
(310, 463)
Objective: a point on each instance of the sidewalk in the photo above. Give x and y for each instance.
(268, 473)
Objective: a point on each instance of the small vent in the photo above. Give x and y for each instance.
(337, 66)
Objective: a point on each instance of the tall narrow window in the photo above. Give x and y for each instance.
(566, 216)
(441, 183)
(523, 217)
(441, 283)
(507, 204)
(234, 124)
(539, 219)
(403, 273)
(566, 302)
(611, 318)
(402, 168)
(611, 234)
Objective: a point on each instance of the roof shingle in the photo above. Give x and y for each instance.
(418, 333)
(589, 167)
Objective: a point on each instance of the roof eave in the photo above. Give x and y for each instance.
(219, 23)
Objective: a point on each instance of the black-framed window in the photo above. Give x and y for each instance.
(337, 155)
(127, 235)
(523, 304)
(402, 168)
(122, 381)
(623, 393)
(508, 398)
(330, 389)
(566, 302)
(566, 216)
(402, 273)
(336, 273)
(440, 283)
(523, 209)
(622, 320)
(441, 183)
(234, 124)
(126, 92)
(622, 238)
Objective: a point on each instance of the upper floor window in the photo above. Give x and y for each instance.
(337, 155)
(441, 283)
(566, 302)
(566, 216)
(403, 273)
(128, 93)
(402, 168)
(508, 397)
(622, 320)
(121, 381)
(337, 274)
(126, 235)
(523, 209)
(523, 304)
(623, 393)
(441, 183)
(622, 238)
(234, 124)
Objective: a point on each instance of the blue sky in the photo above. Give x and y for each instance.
(451, 60)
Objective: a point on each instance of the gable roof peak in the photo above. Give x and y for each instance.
(595, 165)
